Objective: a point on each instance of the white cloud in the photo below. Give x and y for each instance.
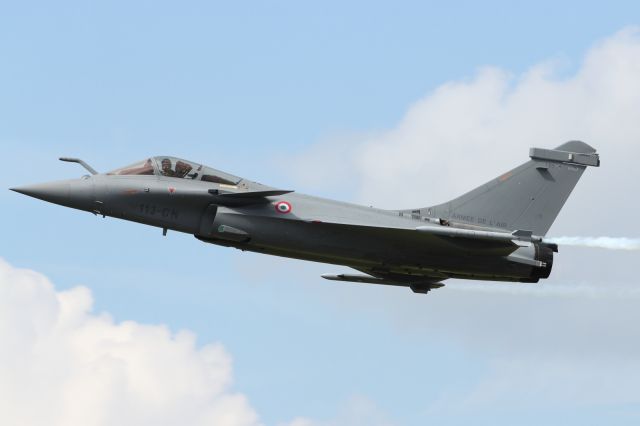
(61, 364)
(467, 132)
(572, 341)
(542, 327)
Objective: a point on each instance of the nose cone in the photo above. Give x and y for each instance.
(74, 193)
(54, 192)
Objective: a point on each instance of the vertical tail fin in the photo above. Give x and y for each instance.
(528, 197)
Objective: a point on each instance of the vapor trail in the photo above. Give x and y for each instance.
(609, 243)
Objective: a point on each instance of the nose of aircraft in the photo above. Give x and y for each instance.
(54, 192)
(71, 193)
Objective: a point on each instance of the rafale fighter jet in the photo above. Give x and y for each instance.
(492, 233)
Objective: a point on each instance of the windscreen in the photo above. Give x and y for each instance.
(144, 167)
(179, 168)
(175, 167)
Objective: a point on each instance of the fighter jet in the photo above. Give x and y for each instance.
(492, 233)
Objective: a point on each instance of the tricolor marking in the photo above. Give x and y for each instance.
(283, 207)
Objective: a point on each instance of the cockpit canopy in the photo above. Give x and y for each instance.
(176, 168)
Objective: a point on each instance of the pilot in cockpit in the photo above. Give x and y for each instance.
(166, 168)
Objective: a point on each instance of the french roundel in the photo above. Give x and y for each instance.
(283, 207)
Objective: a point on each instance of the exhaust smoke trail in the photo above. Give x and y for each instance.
(608, 243)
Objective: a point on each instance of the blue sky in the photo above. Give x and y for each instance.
(250, 88)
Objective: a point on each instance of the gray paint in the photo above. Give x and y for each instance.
(494, 232)
(528, 197)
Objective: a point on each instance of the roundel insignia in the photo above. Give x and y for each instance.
(283, 207)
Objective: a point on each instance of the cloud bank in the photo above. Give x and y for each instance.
(465, 133)
(570, 342)
(62, 364)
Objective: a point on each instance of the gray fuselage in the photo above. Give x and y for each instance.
(314, 229)
(493, 232)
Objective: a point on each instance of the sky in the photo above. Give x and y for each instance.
(396, 105)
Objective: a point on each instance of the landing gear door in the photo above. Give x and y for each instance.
(206, 222)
